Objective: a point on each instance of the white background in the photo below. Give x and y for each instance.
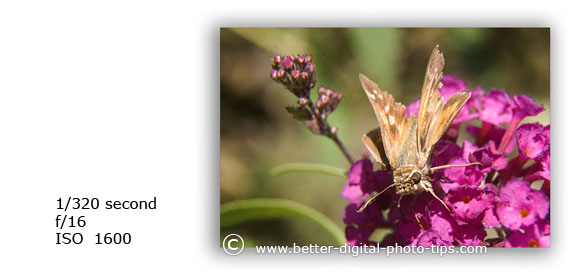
(119, 100)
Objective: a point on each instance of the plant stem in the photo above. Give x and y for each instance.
(326, 130)
(341, 146)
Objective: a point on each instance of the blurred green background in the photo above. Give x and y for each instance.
(257, 134)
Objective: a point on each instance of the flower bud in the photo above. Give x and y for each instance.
(287, 62)
(310, 67)
(301, 59)
(277, 59)
(280, 72)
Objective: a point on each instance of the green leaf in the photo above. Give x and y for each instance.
(241, 211)
(308, 167)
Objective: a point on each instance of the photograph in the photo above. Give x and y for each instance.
(376, 137)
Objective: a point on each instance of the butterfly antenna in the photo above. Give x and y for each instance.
(433, 169)
(371, 199)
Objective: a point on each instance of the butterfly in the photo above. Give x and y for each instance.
(404, 143)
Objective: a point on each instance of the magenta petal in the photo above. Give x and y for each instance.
(468, 175)
(361, 171)
(531, 140)
(451, 85)
(490, 220)
(429, 239)
(412, 109)
(357, 236)
(352, 192)
(496, 108)
(509, 217)
(526, 106)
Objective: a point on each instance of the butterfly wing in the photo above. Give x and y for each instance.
(373, 141)
(435, 116)
(395, 127)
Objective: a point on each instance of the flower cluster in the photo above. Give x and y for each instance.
(297, 74)
(502, 203)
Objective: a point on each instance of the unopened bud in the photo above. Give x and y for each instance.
(310, 67)
(301, 59)
(287, 62)
(280, 72)
(277, 59)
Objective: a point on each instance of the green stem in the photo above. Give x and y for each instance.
(237, 212)
(308, 167)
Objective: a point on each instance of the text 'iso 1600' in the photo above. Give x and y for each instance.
(73, 227)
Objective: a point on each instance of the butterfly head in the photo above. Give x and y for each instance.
(410, 180)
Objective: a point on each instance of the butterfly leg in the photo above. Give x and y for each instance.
(438, 199)
(418, 221)
(399, 208)
(416, 214)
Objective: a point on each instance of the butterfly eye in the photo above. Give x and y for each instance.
(415, 177)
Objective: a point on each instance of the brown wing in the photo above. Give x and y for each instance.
(373, 141)
(434, 117)
(394, 124)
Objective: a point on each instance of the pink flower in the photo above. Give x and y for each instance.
(525, 106)
(489, 133)
(360, 173)
(451, 85)
(469, 203)
(535, 235)
(469, 175)
(489, 156)
(521, 205)
(470, 234)
(496, 108)
(533, 139)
